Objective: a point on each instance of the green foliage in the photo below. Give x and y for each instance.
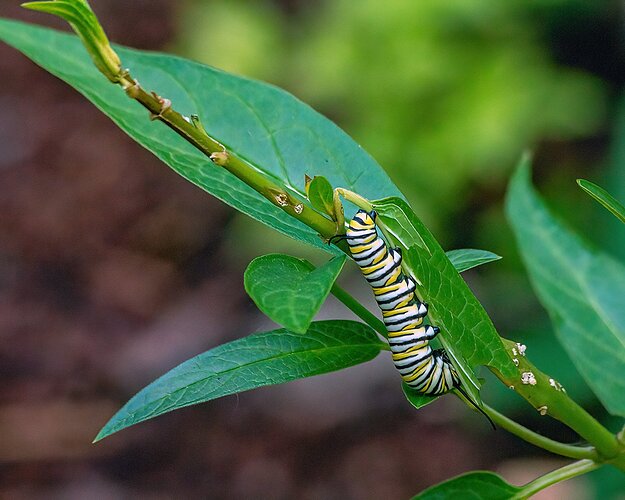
(290, 290)
(474, 485)
(258, 360)
(205, 34)
(273, 130)
(460, 98)
(321, 195)
(283, 140)
(610, 231)
(468, 258)
(603, 197)
(582, 288)
(82, 19)
(443, 94)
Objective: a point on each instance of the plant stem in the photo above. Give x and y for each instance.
(565, 450)
(355, 198)
(549, 398)
(556, 476)
(161, 109)
(359, 310)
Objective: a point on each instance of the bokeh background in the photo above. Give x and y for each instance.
(113, 269)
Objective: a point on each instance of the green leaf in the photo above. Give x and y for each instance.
(603, 197)
(79, 15)
(258, 360)
(467, 333)
(582, 288)
(266, 126)
(415, 398)
(289, 290)
(321, 195)
(479, 485)
(468, 258)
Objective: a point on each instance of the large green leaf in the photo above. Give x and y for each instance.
(582, 288)
(468, 258)
(467, 332)
(270, 128)
(290, 290)
(471, 486)
(258, 360)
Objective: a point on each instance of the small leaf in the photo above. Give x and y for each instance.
(79, 15)
(415, 398)
(467, 333)
(468, 258)
(582, 288)
(475, 485)
(290, 290)
(321, 194)
(603, 197)
(258, 360)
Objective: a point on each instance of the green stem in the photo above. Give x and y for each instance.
(355, 198)
(556, 476)
(549, 398)
(250, 175)
(359, 310)
(565, 450)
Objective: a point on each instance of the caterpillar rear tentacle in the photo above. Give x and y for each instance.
(426, 370)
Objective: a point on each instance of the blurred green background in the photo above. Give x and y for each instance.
(446, 95)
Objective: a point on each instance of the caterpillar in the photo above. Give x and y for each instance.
(426, 370)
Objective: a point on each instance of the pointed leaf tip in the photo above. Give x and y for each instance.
(600, 195)
(289, 290)
(255, 361)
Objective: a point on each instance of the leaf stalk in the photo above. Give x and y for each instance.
(359, 310)
(562, 474)
(565, 450)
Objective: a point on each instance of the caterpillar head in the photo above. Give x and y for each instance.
(363, 220)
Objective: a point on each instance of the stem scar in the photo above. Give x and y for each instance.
(220, 158)
(165, 105)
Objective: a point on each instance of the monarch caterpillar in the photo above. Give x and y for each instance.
(426, 370)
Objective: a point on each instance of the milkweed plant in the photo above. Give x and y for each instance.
(253, 146)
